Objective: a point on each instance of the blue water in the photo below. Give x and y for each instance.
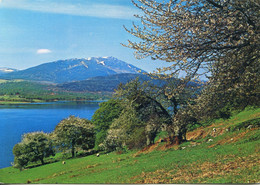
(15, 120)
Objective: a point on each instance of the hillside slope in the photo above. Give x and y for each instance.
(22, 91)
(74, 70)
(105, 83)
(228, 151)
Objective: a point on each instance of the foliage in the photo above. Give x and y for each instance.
(234, 86)
(195, 34)
(74, 132)
(103, 118)
(148, 105)
(122, 129)
(21, 158)
(147, 109)
(33, 147)
(158, 106)
(215, 38)
(138, 139)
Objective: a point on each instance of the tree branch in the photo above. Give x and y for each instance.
(214, 4)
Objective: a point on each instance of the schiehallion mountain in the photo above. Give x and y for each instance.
(74, 70)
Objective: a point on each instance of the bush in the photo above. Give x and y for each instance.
(34, 146)
(137, 139)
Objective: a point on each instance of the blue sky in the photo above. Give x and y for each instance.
(33, 32)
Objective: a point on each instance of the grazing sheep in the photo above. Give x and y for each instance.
(63, 162)
(97, 154)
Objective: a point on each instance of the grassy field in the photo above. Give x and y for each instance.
(21, 91)
(228, 151)
(15, 99)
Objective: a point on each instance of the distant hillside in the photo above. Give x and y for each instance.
(105, 83)
(22, 91)
(74, 70)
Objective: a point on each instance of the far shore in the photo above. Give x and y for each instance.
(42, 101)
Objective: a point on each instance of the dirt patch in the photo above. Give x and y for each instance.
(90, 166)
(198, 133)
(256, 115)
(200, 172)
(167, 147)
(159, 145)
(150, 148)
(230, 139)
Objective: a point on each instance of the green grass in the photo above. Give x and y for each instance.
(21, 91)
(221, 161)
(15, 99)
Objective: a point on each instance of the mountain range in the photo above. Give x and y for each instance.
(71, 70)
(105, 83)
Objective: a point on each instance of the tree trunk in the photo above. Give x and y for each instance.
(176, 140)
(42, 161)
(73, 150)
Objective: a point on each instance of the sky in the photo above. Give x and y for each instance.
(33, 32)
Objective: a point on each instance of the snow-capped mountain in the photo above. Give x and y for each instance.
(4, 70)
(74, 70)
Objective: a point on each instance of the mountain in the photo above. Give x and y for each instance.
(74, 70)
(110, 83)
(5, 70)
(104, 83)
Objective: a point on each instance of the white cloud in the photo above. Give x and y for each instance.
(43, 51)
(80, 9)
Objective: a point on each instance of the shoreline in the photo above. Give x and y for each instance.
(34, 102)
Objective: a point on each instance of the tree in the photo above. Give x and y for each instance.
(195, 35)
(215, 38)
(34, 146)
(155, 107)
(75, 132)
(103, 118)
(21, 159)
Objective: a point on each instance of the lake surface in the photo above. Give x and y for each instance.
(15, 120)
